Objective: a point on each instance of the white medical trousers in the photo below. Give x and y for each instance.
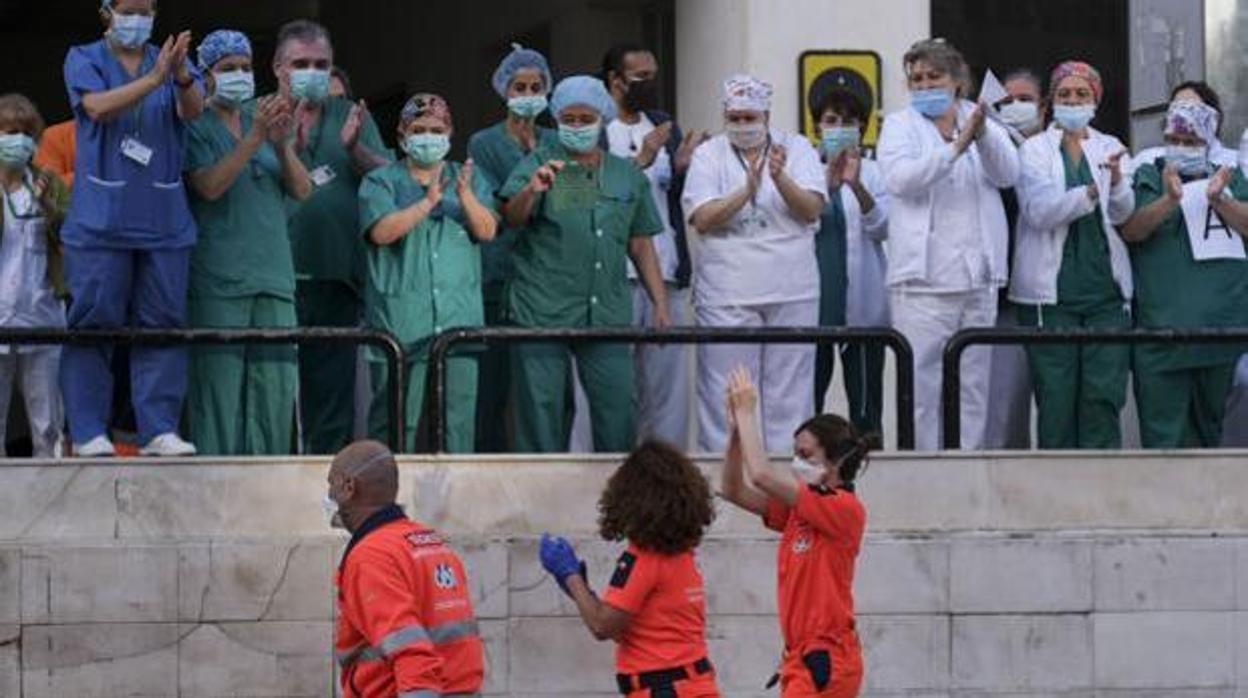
(37, 375)
(661, 372)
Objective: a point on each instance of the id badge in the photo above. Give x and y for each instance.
(136, 151)
(322, 175)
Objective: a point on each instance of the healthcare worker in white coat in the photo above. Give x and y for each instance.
(943, 165)
(754, 195)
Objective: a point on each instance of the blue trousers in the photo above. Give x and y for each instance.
(115, 288)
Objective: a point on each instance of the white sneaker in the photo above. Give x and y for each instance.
(168, 445)
(99, 447)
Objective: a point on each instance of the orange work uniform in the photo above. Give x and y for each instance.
(56, 151)
(822, 533)
(406, 627)
(662, 654)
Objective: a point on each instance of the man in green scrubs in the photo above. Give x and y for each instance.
(1186, 283)
(523, 81)
(241, 166)
(338, 142)
(582, 211)
(422, 219)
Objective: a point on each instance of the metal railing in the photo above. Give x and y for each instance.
(951, 387)
(890, 338)
(231, 336)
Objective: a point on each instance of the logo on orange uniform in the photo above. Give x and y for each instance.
(444, 577)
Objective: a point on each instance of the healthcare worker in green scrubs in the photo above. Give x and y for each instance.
(422, 219)
(339, 143)
(583, 211)
(241, 166)
(522, 80)
(1187, 281)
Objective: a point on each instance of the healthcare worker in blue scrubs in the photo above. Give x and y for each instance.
(129, 232)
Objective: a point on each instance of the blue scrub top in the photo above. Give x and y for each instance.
(117, 202)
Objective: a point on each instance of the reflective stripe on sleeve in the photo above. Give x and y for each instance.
(419, 693)
(407, 636)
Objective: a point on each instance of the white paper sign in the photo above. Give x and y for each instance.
(992, 91)
(1209, 236)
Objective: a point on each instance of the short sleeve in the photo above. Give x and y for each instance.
(377, 200)
(634, 577)
(805, 168)
(199, 149)
(520, 176)
(700, 181)
(1147, 185)
(837, 513)
(776, 516)
(82, 76)
(371, 137)
(646, 220)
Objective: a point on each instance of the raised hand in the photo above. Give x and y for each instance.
(178, 63)
(282, 123)
(688, 144)
(742, 394)
(1173, 183)
(353, 125)
(436, 188)
(164, 61)
(1114, 163)
(653, 143)
(559, 559)
(776, 159)
(463, 183)
(851, 170)
(1218, 183)
(544, 177)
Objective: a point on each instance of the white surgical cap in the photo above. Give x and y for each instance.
(745, 93)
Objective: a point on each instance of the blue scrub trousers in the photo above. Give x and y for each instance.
(115, 288)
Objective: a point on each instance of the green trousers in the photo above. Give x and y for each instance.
(541, 375)
(461, 400)
(494, 388)
(1080, 389)
(327, 372)
(1182, 408)
(863, 374)
(241, 399)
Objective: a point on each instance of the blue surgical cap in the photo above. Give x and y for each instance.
(222, 43)
(586, 90)
(519, 59)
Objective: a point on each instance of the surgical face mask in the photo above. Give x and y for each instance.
(642, 95)
(234, 87)
(1192, 160)
(931, 102)
(427, 148)
(131, 31)
(311, 84)
(580, 139)
(16, 149)
(806, 471)
(1073, 117)
(527, 106)
(333, 515)
(1024, 116)
(746, 136)
(838, 138)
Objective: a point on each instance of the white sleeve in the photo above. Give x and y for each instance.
(875, 222)
(1045, 203)
(701, 184)
(804, 166)
(1122, 196)
(908, 172)
(998, 155)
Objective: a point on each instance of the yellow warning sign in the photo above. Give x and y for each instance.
(822, 71)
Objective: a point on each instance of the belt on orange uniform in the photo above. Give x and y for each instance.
(661, 678)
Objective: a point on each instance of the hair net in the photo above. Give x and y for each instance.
(519, 58)
(1192, 118)
(586, 90)
(746, 93)
(222, 43)
(1078, 69)
(425, 104)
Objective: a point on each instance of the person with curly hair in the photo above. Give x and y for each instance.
(822, 522)
(654, 607)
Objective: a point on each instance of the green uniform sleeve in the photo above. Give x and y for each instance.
(520, 176)
(646, 220)
(1147, 185)
(199, 150)
(370, 136)
(484, 189)
(378, 199)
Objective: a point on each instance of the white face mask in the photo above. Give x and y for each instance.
(746, 136)
(1024, 116)
(806, 471)
(333, 516)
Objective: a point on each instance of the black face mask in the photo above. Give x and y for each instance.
(642, 95)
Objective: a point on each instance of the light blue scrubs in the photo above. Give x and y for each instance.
(128, 239)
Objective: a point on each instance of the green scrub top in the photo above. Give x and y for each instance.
(324, 227)
(1173, 290)
(832, 253)
(495, 154)
(1085, 282)
(428, 280)
(570, 269)
(244, 245)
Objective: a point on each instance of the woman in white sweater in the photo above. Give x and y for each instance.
(943, 165)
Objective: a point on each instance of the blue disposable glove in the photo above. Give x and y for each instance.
(559, 559)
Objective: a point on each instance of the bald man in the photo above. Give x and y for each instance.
(406, 627)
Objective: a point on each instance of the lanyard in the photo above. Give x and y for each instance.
(34, 204)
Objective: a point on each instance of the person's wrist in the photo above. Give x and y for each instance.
(183, 80)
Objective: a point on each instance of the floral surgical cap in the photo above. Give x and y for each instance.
(1192, 118)
(222, 43)
(746, 93)
(1078, 69)
(519, 59)
(425, 104)
(586, 90)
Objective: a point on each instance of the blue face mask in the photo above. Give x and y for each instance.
(580, 139)
(234, 87)
(131, 31)
(1191, 160)
(931, 102)
(311, 84)
(527, 106)
(838, 138)
(427, 148)
(1073, 117)
(16, 149)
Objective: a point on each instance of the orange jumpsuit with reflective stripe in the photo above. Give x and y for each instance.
(405, 621)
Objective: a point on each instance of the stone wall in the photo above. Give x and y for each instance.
(1020, 576)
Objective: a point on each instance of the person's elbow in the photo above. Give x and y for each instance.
(487, 229)
(379, 236)
(300, 191)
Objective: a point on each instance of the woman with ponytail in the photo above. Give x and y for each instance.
(822, 523)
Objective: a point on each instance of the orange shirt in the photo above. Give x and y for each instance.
(56, 151)
(821, 537)
(664, 595)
